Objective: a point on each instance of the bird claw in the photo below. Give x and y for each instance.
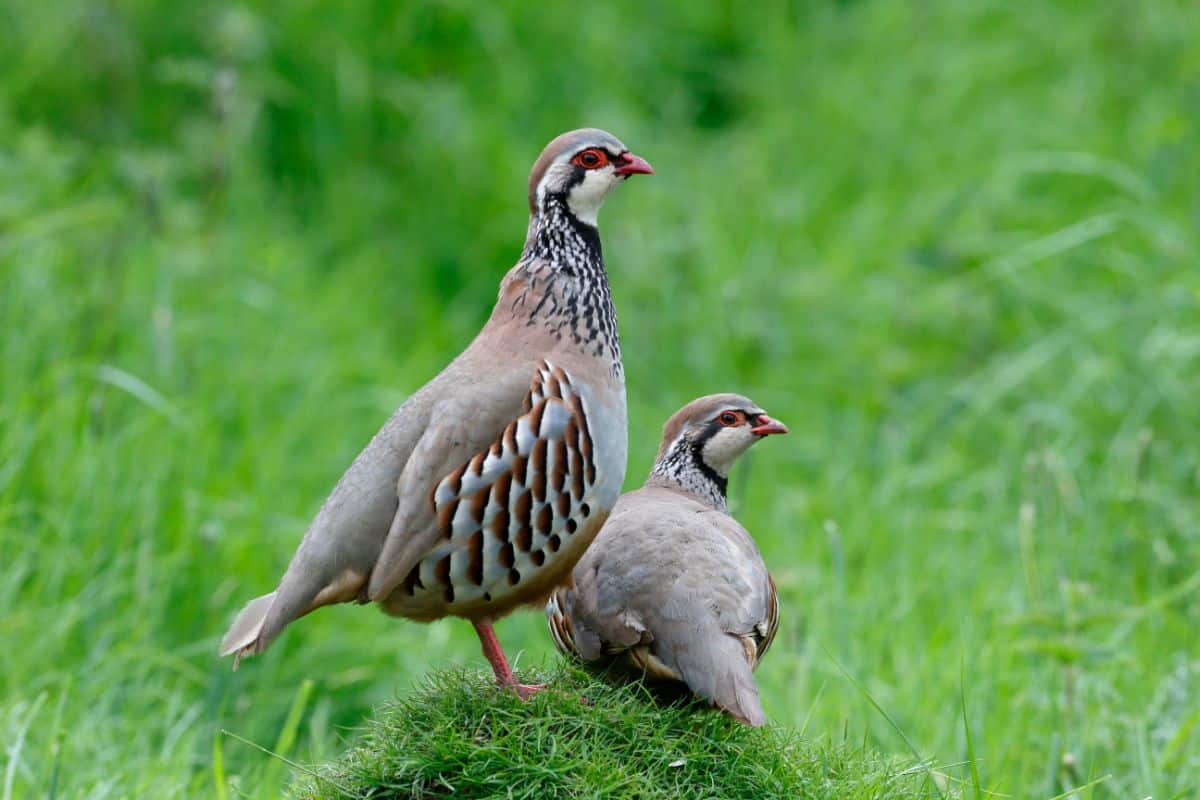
(527, 690)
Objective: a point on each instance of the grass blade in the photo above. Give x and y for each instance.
(1088, 785)
(219, 767)
(911, 748)
(14, 750)
(294, 765)
(287, 734)
(962, 695)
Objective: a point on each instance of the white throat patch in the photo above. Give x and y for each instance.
(586, 197)
(725, 447)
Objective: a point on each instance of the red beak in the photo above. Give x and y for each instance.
(766, 426)
(633, 165)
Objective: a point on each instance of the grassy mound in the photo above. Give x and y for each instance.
(460, 736)
(954, 244)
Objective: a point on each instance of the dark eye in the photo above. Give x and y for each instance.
(728, 419)
(591, 158)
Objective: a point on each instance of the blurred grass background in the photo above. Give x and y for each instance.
(954, 246)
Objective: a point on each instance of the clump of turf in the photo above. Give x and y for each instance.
(460, 736)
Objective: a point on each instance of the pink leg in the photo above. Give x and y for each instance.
(495, 657)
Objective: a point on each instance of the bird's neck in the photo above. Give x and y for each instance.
(556, 235)
(565, 284)
(684, 467)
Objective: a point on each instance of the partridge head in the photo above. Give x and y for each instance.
(702, 441)
(674, 588)
(481, 492)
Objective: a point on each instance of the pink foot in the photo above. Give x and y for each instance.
(527, 690)
(495, 656)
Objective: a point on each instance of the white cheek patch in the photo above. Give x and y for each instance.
(586, 196)
(725, 446)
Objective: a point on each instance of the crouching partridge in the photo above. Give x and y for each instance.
(673, 587)
(485, 487)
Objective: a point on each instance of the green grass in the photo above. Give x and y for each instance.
(952, 245)
(460, 736)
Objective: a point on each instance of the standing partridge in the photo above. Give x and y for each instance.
(485, 487)
(674, 588)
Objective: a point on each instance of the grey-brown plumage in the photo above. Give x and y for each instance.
(481, 492)
(674, 588)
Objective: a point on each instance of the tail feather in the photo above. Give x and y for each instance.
(714, 665)
(243, 635)
(739, 697)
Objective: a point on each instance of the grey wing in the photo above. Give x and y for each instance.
(342, 548)
(680, 597)
(344, 540)
(595, 616)
(744, 592)
(580, 629)
(480, 518)
(715, 663)
(458, 428)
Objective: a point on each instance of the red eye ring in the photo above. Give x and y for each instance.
(592, 158)
(729, 419)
